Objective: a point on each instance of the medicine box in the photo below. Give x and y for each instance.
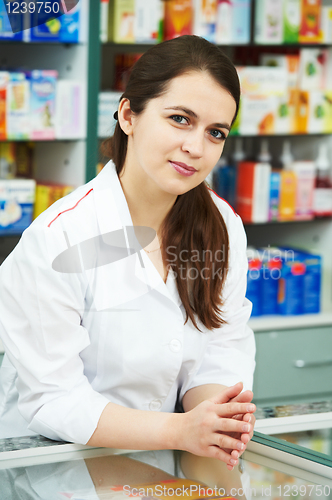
(42, 103)
(16, 205)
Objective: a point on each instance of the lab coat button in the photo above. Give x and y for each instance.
(175, 345)
(155, 405)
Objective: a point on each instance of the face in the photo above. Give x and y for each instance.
(177, 140)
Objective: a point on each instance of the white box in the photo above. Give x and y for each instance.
(17, 197)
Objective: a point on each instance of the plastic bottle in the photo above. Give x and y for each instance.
(322, 203)
(264, 154)
(239, 154)
(288, 185)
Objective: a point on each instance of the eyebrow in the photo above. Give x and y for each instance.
(193, 114)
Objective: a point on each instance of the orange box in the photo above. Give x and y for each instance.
(178, 18)
(310, 27)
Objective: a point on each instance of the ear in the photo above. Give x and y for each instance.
(125, 116)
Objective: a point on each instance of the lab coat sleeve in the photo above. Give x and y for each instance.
(40, 325)
(230, 354)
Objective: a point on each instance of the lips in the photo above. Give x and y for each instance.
(183, 165)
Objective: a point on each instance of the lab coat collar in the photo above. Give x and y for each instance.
(110, 199)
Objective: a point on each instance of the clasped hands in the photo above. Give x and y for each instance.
(222, 426)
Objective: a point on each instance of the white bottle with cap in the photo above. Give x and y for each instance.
(322, 203)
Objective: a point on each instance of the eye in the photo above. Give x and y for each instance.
(179, 118)
(217, 134)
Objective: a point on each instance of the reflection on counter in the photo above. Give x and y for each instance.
(152, 475)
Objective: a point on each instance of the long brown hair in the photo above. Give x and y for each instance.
(194, 225)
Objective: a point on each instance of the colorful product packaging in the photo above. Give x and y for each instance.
(108, 103)
(310, 280)
(224, 22)
(302, 111)
(123, 21)
(313, 69)
(241, 21)
(70, 109)
(305, 183)
(4, 79)
(291, 20)
(263, 90)
(104, 16)
(205, 19)
(47, 194)
(11, 27)
(253, 191)
(287, 200)
(254, 278)
(326, 25)
(291, 286)
(148, 21)
(18, 108)
(178, 18)
(70, 27)
(7, 160)
(16, 160)
(270, 276)
(42, 103)
(274, 195)
(310, 28)
(225, 183)
(16, 205)
(320, 112)
(269, 22)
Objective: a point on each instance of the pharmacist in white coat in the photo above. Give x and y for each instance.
(97, 348)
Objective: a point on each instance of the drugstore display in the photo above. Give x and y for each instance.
(219, 21)
(43, 102)
(35, 25)
(283, 281)
(36, 105)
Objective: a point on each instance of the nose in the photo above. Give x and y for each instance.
(194, 143)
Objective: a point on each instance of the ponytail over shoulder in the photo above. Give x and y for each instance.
(194, 235)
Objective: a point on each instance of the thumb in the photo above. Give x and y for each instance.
(226, 394)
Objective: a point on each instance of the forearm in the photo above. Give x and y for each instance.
(196, 395)
(126, 428)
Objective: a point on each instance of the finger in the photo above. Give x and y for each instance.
(219, 453)
(231, 409)
(243, 397)
(232, 428)
(227, 394)
(226, 442)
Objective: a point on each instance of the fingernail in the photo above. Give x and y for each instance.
(251, 408)
(249, 419)
(240, 446)
(232, 461)
(245, 428)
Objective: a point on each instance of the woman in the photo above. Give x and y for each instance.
(101, 345)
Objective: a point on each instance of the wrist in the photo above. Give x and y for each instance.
(173, 431)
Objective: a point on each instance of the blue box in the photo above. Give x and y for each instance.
(10, 30)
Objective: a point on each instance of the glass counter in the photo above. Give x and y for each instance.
(38, 469)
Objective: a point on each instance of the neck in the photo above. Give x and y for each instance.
(148, 204)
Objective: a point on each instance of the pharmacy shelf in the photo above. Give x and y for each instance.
(276, 322)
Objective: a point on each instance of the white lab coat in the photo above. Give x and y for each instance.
(75, 341)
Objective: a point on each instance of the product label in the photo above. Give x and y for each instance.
(322, 202)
